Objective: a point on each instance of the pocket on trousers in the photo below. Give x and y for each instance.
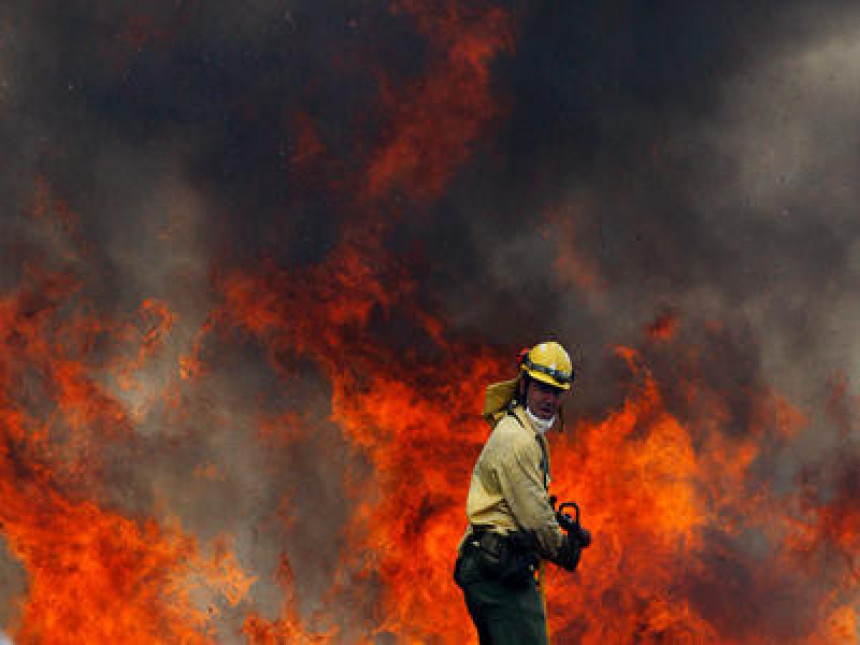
(507, 565)
(466, 571)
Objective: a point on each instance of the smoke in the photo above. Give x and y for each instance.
(796, 175)
(709, 173)
(622, 163)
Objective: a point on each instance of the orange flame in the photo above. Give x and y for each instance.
(662, 501)
(683, 526)
(94, 575)
(437, 119)
(691, 543)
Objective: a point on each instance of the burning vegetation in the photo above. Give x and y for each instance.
(259, 270)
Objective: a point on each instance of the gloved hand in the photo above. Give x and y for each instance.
(569, 554)
(583, 537)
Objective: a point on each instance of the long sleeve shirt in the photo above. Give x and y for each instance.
(508, 490)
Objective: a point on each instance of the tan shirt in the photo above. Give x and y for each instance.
(509, 485)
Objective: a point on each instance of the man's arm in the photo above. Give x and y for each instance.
(521, 481)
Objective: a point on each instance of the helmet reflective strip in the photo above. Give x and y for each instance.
(558, 375)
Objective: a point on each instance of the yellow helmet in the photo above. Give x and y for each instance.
(549, 363)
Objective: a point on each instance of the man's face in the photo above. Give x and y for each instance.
(544, 400)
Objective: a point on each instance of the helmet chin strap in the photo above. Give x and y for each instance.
(539, 424)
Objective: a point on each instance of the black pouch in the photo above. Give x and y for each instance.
(508, 559)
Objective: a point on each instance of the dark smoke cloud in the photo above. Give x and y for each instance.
(706, 155)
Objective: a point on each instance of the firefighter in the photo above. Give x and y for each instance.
(512, 523)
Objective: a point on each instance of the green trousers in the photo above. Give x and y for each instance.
(502, 614)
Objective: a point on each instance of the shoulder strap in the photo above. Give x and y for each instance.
(544, 462)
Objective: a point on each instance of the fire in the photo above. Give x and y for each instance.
(437, 119)
(710, 521)
(289, 629)
(683, 524)
(94, 574)
(664, 326)
(401, 412)
(662, 500)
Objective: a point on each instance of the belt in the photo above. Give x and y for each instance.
(485, 539)
(510, 558)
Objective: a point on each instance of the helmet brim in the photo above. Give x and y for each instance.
(549, 380)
